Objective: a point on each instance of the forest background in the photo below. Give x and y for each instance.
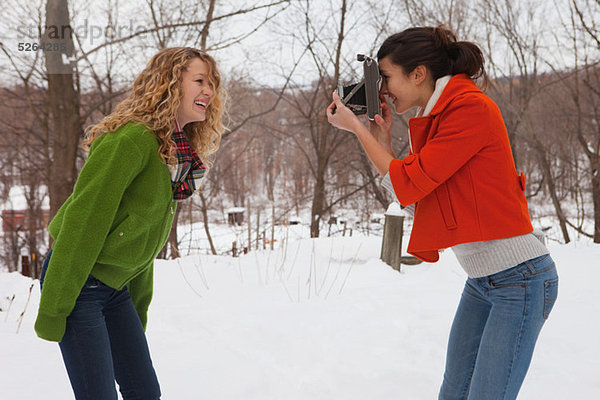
(281, 60)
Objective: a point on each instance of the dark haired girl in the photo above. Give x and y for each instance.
(461, 183)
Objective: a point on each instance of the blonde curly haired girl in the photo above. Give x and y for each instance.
(144, 158)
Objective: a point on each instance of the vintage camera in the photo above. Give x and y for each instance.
(363, 97)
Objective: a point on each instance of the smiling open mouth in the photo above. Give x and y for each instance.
(201, 104)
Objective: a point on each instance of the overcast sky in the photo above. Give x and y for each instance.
(267, 55)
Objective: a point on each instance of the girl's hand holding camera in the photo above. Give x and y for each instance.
(376, 141)
(381, 128)
(342, 117)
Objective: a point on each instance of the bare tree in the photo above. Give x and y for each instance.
(585, 92)
(455, 14)
(20, 150)
(316, 140)
(60, 75)
(63, 102)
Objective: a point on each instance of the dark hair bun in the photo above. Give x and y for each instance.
(443, 38)
(437, 49)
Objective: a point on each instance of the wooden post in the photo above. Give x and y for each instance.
(264, 239)
(391, 247)
(25, 266)
(344, 233)
(234, 249)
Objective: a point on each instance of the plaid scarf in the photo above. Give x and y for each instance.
(186, 176)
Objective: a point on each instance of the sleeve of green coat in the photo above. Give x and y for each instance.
(113, 163)
(140, 290)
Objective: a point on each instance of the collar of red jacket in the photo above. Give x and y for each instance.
(458, 84)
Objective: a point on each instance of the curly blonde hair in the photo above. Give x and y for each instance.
(155, 98)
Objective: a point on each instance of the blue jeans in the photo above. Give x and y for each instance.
(104, 340)
(495, 329)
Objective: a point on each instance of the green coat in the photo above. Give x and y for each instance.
(112, 226)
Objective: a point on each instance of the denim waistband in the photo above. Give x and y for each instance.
(530, 267)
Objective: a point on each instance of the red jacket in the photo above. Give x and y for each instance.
(460, 174)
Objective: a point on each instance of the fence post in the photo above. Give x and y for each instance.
(391, 247)
(25, 266)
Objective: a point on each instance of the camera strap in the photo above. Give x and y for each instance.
(355, 89)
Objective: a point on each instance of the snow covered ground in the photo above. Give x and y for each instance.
(314, 319)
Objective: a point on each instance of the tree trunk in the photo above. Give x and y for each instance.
(33, 218)
(323, 147)
(318, 204)
(171, 241)
(596, 198)
(205, 28)
(375, 187)
(205, 220)
(63, 103)
(552, 190)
